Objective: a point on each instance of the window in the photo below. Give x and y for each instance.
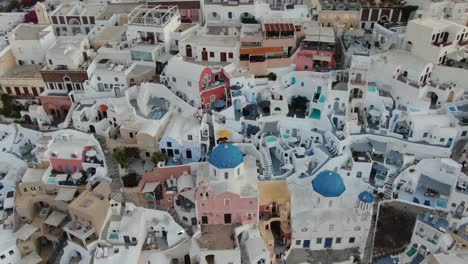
(116, 79)
(442, 139)
(330, 227)
(2, 257)
(211, 54)
(330, 203)
(425, 134)
(298, 242)
(212, 98)
(189, 137)
(50, 62)
(358, 174)
(176, 151)
(8, 90)
(169, 144)
(147, 154)
(338, 240)
(302, 84)
(319, 240)
(11, 252)
(421, 230)
(229, 15)
(463, 133)
(231, 55)
(174, 79)
(227, 202)
(226, 175)
(189, 83)
(98, 78)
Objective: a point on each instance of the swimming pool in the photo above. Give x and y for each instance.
(441, 204)
(270, 139)
(452, 109)
(52, 180)
(372, 89)
(114, 236)
(414, 110)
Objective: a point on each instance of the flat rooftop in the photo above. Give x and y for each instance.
(339, 5)
(217, 237)
(111, 34)
(30, 32)
(213, 40)
(24, 71)
(184, 26)
(117, 8)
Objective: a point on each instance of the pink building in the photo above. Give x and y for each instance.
(190, 10)
(317, 51)
(228, 192)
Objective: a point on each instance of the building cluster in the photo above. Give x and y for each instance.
(234, 131)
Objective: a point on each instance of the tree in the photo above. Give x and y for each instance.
(9, 108)
(272, 76)
(13, 5)
(30, 17)
(121, 156)
(159, 157)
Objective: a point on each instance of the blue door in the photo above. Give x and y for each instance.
(68, 168)
(293, 80)
(306, 244)
(328, 242)
(449, 142)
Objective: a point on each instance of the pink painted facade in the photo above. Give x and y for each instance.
(68, 164)
(225, 208)
(212, 90)
(56, 105)
(306, 60)
(163, 194)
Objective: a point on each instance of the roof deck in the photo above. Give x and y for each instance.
(217, 237)
(158, 15)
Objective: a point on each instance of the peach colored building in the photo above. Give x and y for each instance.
(268, 46)
(159, 186)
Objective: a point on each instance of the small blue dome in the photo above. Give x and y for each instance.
(366, 197)
(328, 184)
(226, 156)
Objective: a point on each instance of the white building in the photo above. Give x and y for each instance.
(436, 40)
(206, 46)
(8, 21)
(69, 51)
(30, 43)
(181, 140)
(152, 25)
(330, 212)
(235, 11)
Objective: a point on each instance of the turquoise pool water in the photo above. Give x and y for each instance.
(285, 136)
(270, 139)
(372, 89)
(441, 204)
(315, 114)
(322, 99)
(414, 110)
(52, 180)
(113, 236)
(452, 109)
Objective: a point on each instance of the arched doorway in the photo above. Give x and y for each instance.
(409, 45)
(92, 129)
(451, 95)
(188, 51)
(27, 119)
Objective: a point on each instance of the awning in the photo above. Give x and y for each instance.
(31, 258)
(25, 232)
(55, 218)
(190, 194)
(104, 108)
(279, 27)
(224, 134)
(65, 194)
(150, 187)
(261, 50)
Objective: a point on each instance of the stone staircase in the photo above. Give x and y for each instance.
(174, 215)
(243, 249)
(389, 185)
(367, 258)
(266, 161)
(112, 166)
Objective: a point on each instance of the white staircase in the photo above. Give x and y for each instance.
(266, 161)
(389, 185)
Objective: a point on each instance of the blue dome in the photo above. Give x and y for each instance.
(366, 197)
(226, 156)
(328, 184)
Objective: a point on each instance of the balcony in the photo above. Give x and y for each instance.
(463, 43)
(442, 44)
(358, 82)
